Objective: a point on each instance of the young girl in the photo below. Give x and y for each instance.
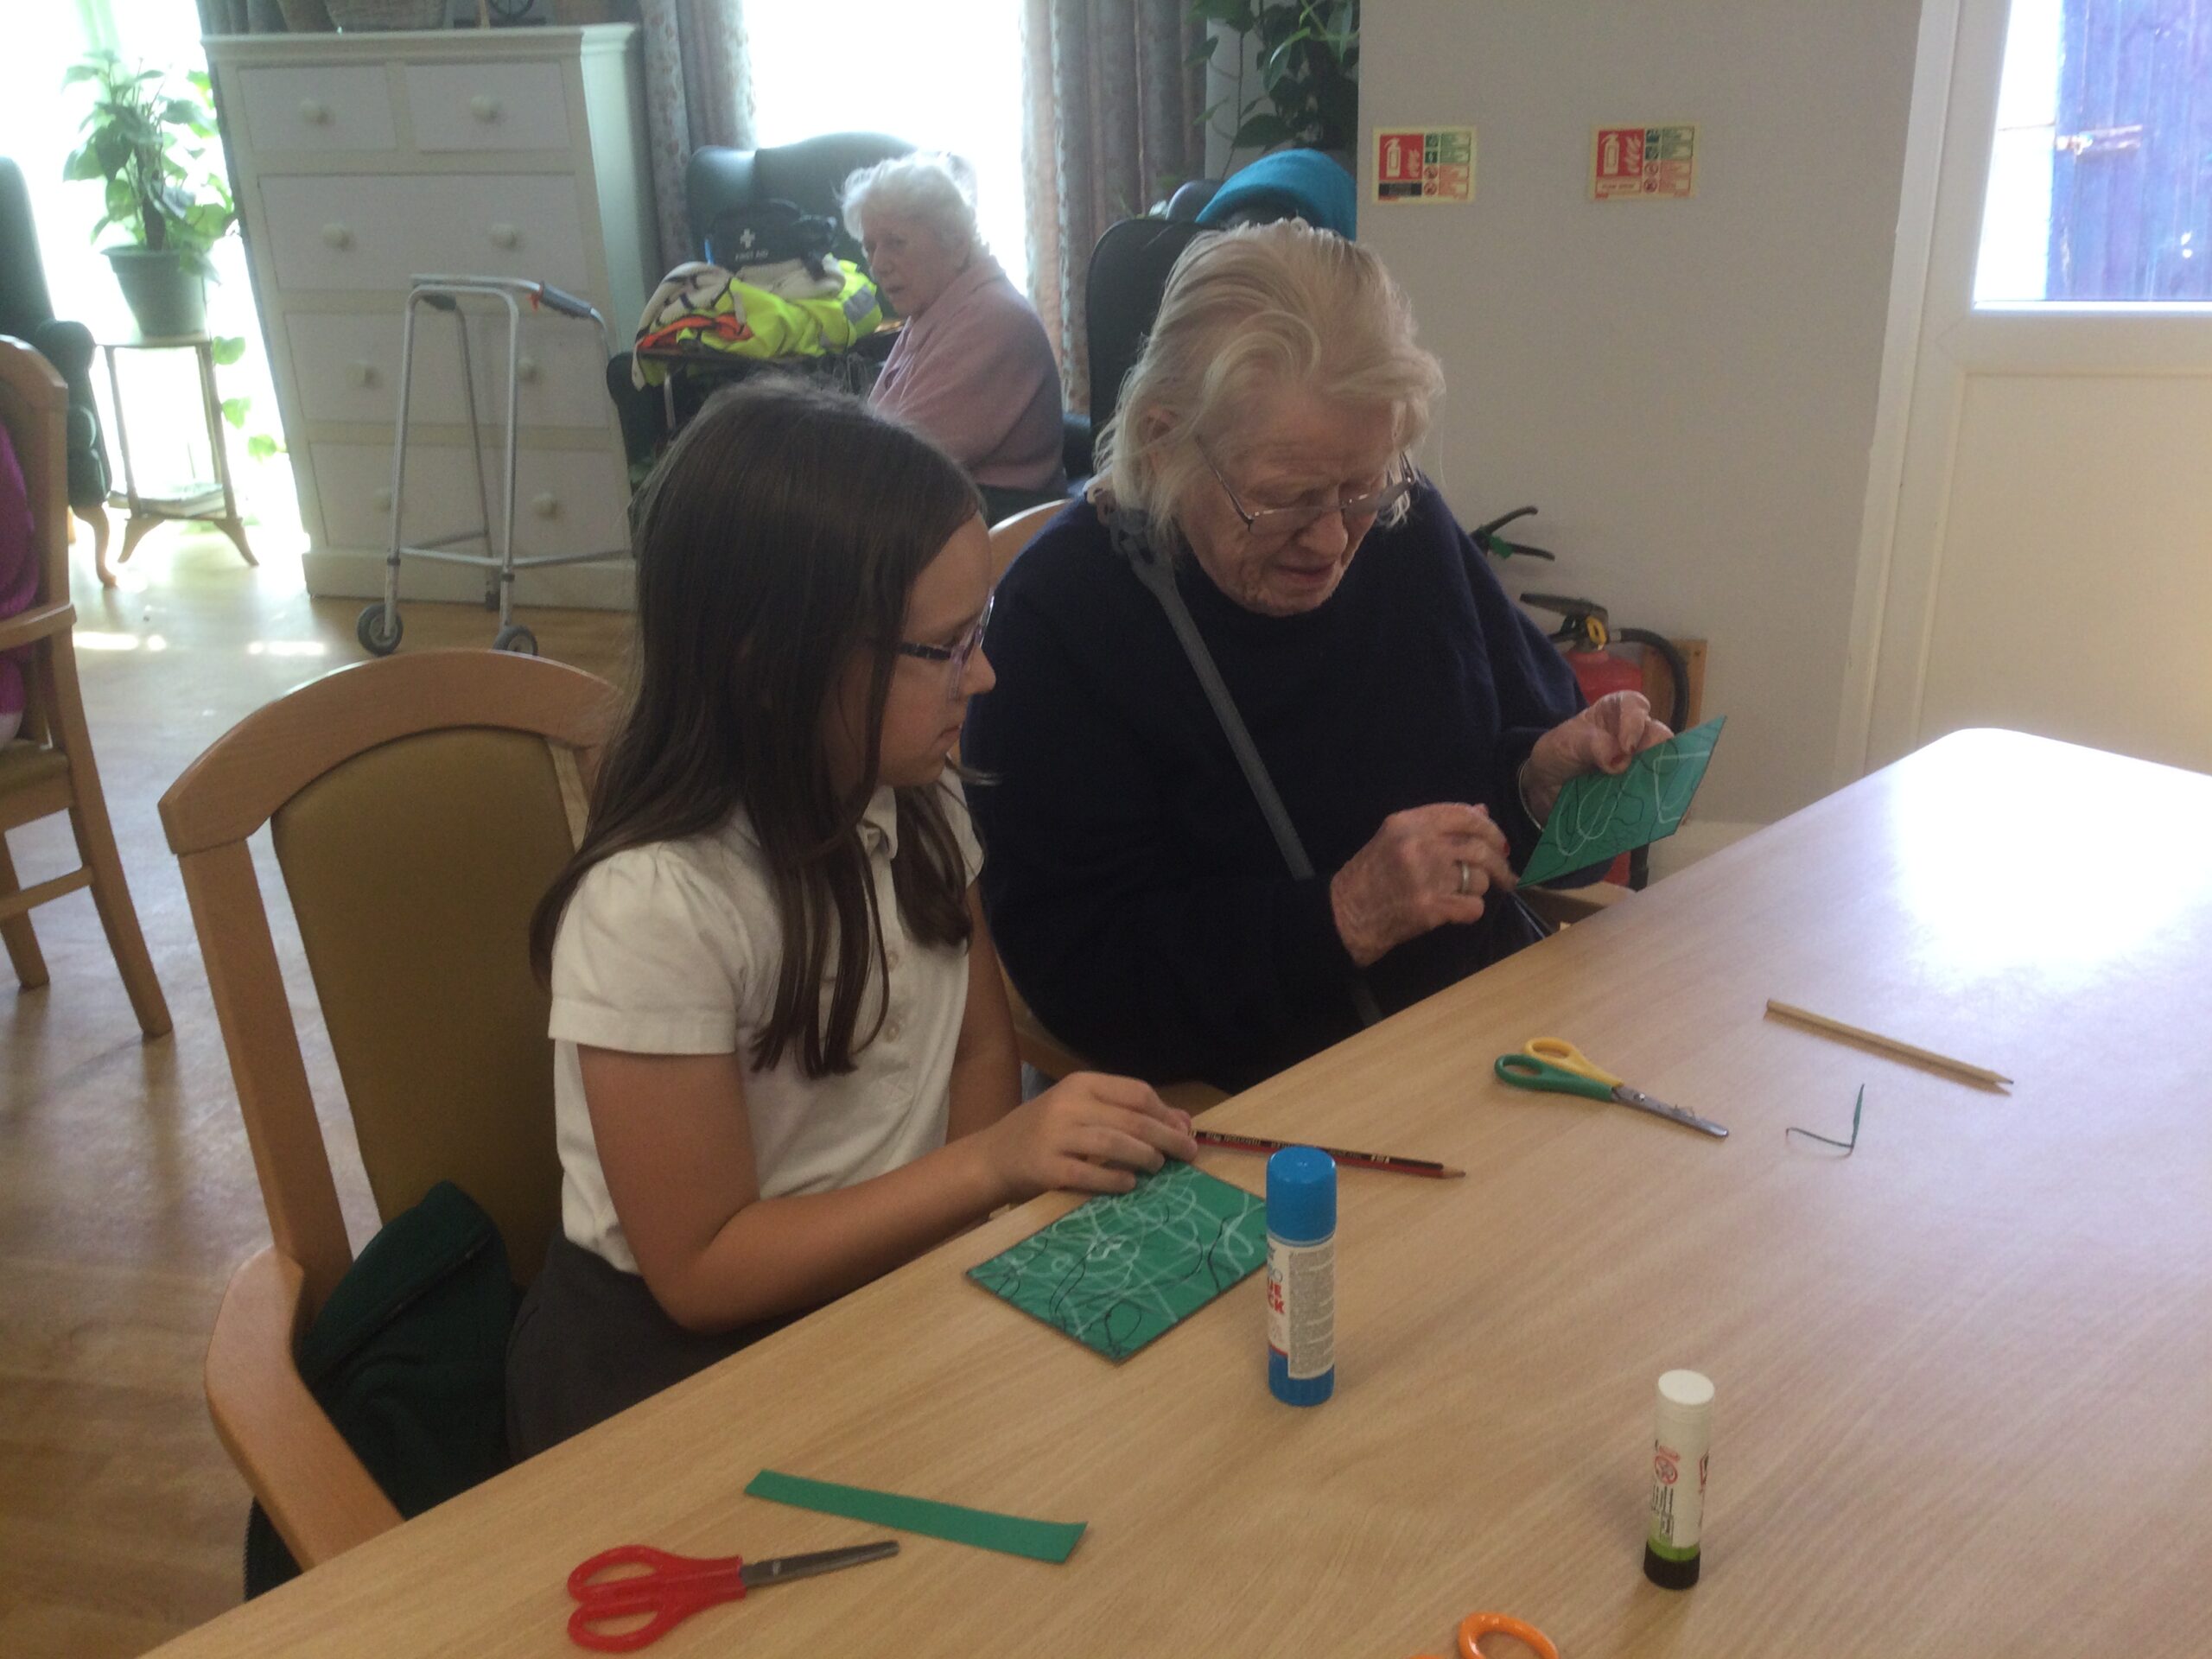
(784, 1063)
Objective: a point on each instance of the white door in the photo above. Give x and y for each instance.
(2038, 546)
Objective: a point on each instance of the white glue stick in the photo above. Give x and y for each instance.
(1682, 1436)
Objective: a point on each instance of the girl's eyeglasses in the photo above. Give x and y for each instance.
(955, 655)
(1281, 524)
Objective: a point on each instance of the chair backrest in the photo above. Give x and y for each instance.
(810, 174)
(1010, 535)
(419, 806)
(24, 302)
(1128, 274)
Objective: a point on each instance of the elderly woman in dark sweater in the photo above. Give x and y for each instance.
(1417, 726)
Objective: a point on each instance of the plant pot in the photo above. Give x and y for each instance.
(166, 296)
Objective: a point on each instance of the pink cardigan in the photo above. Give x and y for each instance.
(975, 373)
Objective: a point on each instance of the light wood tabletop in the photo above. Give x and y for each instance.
(1964, 1376)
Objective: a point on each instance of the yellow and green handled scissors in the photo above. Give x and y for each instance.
(1560, 1067)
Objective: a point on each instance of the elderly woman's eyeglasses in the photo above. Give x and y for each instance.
(1281, 524)
(954, 656)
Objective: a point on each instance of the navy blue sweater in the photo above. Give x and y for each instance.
(1136, 893)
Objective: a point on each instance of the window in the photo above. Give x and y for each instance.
(2101, 179)
(943, 77)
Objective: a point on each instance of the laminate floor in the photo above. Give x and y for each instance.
(126, 1192)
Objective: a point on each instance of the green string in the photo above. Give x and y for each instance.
(1847, 1147)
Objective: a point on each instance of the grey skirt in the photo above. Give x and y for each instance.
(590, 1341)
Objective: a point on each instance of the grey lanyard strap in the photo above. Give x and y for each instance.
(1159, 575)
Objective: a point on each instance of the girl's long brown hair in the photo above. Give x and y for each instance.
(782, 533)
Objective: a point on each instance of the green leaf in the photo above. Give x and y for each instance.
(1203, 52)
(234, 410)
(262, 446)
(229, 349)
(1263, 129)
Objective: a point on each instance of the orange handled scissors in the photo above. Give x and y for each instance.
(673, 1587)
(1475, 1626)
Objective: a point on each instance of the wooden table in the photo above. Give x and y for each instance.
(1965, 1375)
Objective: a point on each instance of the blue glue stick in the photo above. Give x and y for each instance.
(1301, 1275)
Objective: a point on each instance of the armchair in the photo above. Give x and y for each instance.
(27, 311)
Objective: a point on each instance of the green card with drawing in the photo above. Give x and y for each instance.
(1119, 1271)
(1601, 815)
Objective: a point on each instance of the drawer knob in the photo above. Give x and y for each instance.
(335, 235)
(544, 503)
(483, 107)
(526, 369)
(504, 235)
(383, 499)
(314, 113)
(358, 372)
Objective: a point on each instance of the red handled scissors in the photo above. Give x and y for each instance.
(673, 1587)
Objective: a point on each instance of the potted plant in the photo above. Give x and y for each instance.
(1307, 52)
(150, 144)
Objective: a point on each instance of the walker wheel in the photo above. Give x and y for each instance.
(516, 638)
(371, 631)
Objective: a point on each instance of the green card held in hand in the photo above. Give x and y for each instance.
(1010, 1534)
(1119, 1271)
(1600, 816)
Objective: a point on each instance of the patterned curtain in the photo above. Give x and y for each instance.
(698, 90)
(1113, 121)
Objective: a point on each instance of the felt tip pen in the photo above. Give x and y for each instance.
(1382, 1160)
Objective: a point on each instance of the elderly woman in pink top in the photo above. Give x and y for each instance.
(973, 369)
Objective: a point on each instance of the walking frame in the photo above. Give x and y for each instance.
(379, 627)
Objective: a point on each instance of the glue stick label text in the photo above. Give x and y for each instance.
(1302, 1305)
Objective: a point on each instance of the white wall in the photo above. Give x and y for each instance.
(1686, 387)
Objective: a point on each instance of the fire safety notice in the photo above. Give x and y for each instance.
(1436, 165)
(1644, 164)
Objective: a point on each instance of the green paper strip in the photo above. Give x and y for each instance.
(1010, 1534)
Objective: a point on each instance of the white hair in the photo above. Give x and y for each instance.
(1247, 312)
(934, 189)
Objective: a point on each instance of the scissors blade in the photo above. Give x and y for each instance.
(759, 1574)
(1688, 1120)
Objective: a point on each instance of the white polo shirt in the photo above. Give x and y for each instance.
(672, 949)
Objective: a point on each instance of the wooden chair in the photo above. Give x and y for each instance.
(50, 768)
(1010, 536)
(418, 806)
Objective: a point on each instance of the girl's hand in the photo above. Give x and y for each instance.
(1086, 1133)
(1426, 867)
(1604, 737)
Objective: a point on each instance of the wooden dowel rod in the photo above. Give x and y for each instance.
(1887, 1045)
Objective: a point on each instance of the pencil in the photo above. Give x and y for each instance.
(1888, 1045)
(1382, 1160)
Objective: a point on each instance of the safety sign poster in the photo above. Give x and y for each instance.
(1437, 164)
(1643, 163)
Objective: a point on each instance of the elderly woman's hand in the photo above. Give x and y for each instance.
(1426, 867)
(1604, 737)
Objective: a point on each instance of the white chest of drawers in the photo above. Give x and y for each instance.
(360, 160)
